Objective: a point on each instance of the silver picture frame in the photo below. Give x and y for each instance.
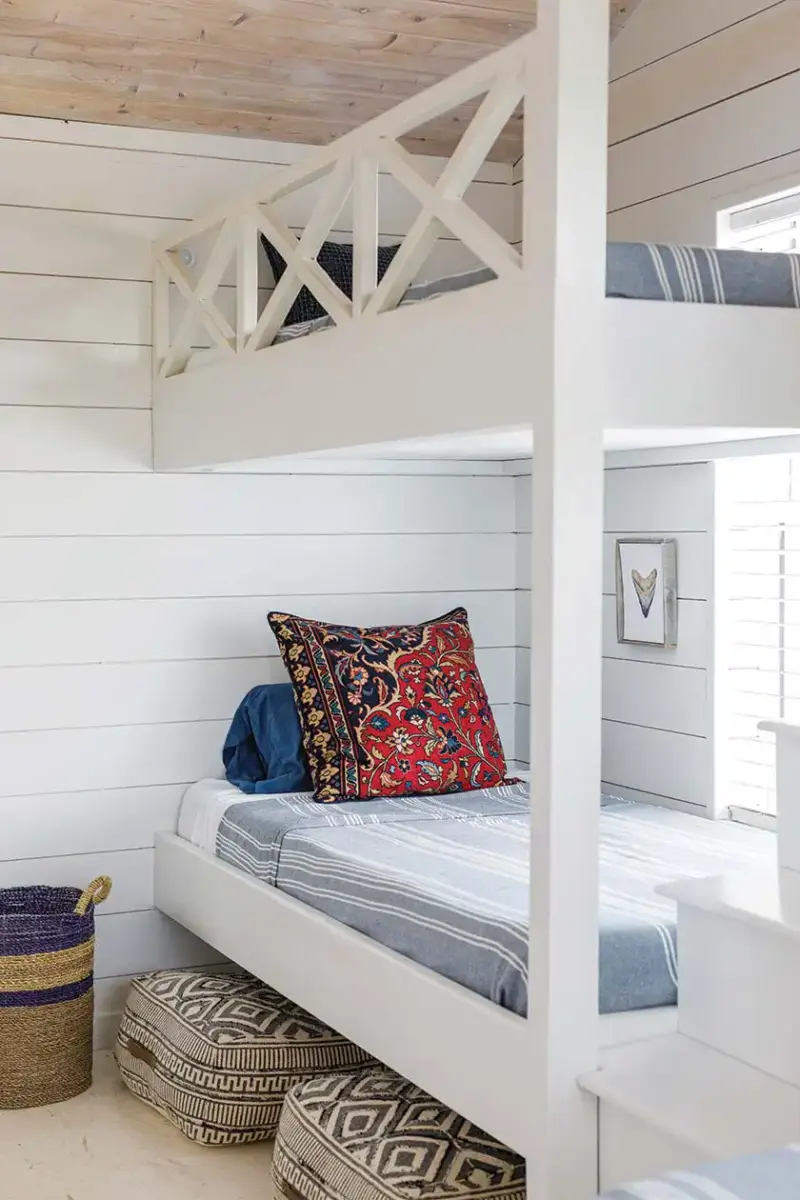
(646, 572)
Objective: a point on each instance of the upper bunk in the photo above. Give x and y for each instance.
(234, 383)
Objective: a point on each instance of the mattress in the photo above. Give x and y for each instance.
(774, 1175)
(444, 880)
(634, 271)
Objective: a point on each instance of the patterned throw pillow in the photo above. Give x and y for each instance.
(336, 259)
(391, 711)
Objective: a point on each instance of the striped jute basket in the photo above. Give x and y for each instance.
(46, 992)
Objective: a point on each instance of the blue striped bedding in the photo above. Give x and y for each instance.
(774, 1175)
(647, 271)
(444, 880)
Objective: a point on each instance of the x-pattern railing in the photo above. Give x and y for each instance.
(349, 168)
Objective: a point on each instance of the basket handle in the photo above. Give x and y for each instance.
(95, 893)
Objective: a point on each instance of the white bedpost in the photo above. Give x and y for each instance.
(564, 227)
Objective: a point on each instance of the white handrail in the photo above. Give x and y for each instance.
(348, 167)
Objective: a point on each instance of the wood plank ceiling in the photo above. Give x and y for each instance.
(292, 70)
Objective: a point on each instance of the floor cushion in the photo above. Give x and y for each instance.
(216, 1053)
(375, 1136)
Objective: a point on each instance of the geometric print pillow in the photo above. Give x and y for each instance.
(336, 260)
(391, 711)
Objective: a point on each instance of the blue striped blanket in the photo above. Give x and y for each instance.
(774, 1175)
(444, 880)
(646, 271)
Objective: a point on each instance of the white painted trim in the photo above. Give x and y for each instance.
(751, 816)
(659, 456)
(703, 1098)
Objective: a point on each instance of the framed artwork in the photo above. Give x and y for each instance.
(647, 591)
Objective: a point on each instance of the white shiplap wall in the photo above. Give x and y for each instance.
(133, 606)
(704, 114)
(657, 718)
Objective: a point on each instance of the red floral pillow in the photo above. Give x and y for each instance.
(391, 711)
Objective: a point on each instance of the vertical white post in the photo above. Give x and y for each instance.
(246, 280)
(564, 229)
(160, 316)
(787, 791)
(365, 229)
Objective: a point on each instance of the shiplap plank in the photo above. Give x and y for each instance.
(523, 502)
(43, 241)
(74, 374)
(640, 797)
(690, 216)
(695, 618)
(183, 143)
(662, 500)
(86, 823)
(57, 632)
(650, 760)
(132, 943)
(687, 152)
(65, 439)
(251, 504)
(504, 719)
(155, 141)
(655, 34)
(742, 56)
(79, 568)
(522, 734)
(693, 552)
(129, 756)
(648, 694)
(93, 179)
(94, 695)
(130, 871)
(694, 640)
(65, 309)
(659, 696)
(114, 757)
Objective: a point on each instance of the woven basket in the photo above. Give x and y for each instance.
(46, 992)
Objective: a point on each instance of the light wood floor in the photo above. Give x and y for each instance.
(106, 1145)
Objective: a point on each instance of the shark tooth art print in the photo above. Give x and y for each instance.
(646, 579)
(645, 589)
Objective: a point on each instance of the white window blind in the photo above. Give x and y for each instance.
(758, 608)
(772, 224)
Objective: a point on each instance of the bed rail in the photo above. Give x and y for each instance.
(348, 169)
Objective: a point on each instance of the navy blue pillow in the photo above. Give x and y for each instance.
(336, 259)
(263, 751)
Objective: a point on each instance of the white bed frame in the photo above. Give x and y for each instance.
(541, 345)
(403, 1013)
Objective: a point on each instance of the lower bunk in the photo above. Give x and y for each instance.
(403, 923)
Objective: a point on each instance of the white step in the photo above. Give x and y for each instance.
(739, 947)
(690, 1103)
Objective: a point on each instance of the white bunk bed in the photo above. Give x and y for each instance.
(541, 345)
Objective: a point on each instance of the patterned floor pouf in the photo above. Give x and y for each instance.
(375, 1136)
(216, 1053)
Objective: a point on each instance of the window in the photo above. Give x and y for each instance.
(758, 615)
(769, 224)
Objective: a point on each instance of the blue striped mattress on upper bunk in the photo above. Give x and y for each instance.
(646, 271)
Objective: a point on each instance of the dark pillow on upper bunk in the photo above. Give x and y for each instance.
(336, 260)
(263, 751)
(391, 711)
